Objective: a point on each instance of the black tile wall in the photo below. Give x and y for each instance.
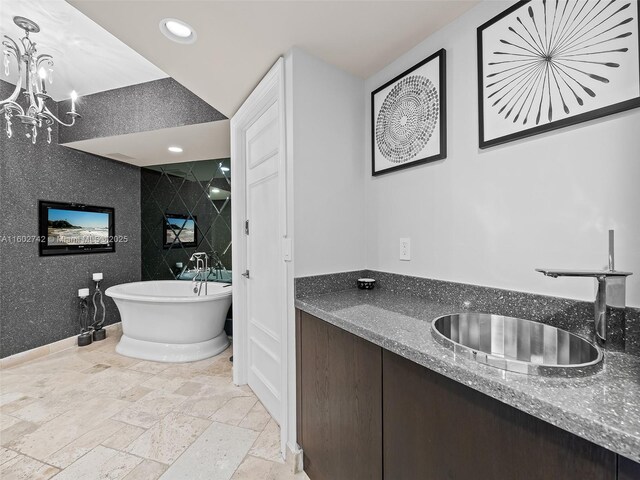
(185, 189)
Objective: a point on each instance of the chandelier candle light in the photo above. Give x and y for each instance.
(38, 69)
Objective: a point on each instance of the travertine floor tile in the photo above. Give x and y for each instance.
(215, 455)
(215, 381)
(25, 468)
(221, 367)
(97, 368)
(114, 382)
(7, 421)
(6, 455)
(137, 417)
(16, 431)
(253, 468)
(267, 445)
(257, 418)
(58, 361)
(158, 403)
(106, 358)
(149, 367)
(54, 404)
(9, 397)
(123, 437)
(202, 406)
(146, 470)
(84, 444)
(168, 385)
(165, 441)
(108, 417)
(101, 463)
(185, 371)
(234, 410)
(62, 430)
(189, 388)
(134, 394)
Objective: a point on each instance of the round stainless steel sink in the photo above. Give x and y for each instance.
(517, 345)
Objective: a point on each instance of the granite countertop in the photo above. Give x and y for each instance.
(603, 408)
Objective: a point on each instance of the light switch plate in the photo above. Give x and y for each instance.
(405, 249)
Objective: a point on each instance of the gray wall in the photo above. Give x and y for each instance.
(137, 108)
(490, 217)
(38, 303)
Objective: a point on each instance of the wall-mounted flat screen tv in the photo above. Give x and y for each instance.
(71, 228)
(180, 230)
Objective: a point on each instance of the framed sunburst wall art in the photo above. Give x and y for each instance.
(548, 64)
(408, 117)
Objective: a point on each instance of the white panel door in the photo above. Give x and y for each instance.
(264, 259)
(261, 278)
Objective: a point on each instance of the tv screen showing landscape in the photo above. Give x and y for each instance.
(72, 228)
(180, 229)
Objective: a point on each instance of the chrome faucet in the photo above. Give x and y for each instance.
(611, 288)
(202, 272)
(218, 266)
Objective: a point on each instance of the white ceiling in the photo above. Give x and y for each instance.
(239, 40)
(202, 141)
(87, 58)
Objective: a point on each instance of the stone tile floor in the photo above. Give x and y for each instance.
(89, 413)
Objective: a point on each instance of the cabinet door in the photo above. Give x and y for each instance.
(628, 469)
(435, 428)
(339, 402)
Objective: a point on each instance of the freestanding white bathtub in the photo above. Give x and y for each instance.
(165, 321)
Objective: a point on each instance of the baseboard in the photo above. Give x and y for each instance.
(294, 458)
(50, 348)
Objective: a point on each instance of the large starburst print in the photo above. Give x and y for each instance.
(409, 117)
(546, 64)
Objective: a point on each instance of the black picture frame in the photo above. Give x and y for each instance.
(440, 58)
(168, 232)
(46, 249)
(592, 114)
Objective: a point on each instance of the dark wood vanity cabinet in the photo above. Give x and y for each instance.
(628, 469)
(366, 413)
(437, 428)
(339, 402)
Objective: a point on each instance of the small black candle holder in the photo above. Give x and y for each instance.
(366, 283)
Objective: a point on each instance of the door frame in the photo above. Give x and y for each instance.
(270, 90)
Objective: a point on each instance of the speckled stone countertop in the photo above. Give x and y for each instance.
(603, 408)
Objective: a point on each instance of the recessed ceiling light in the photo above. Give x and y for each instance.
(215, 190)
(175, 149)
(177, 30)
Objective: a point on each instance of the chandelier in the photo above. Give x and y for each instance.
(34, 71)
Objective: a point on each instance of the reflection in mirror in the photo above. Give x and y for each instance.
(186, 208)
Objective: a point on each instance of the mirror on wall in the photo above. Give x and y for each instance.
(186, 208)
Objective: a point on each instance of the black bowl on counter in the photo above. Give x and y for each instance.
(366, 283)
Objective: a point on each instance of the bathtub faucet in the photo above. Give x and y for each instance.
(218, 266)
(202, 272)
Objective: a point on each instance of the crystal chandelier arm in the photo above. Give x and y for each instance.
(47, 114)
(11, 47)
(44, 58)
(8, 105)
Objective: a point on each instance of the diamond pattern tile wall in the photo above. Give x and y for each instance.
(200, 190)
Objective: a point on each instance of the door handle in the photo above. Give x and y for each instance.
(246, 274)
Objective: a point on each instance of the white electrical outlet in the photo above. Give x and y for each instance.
(405, 249)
